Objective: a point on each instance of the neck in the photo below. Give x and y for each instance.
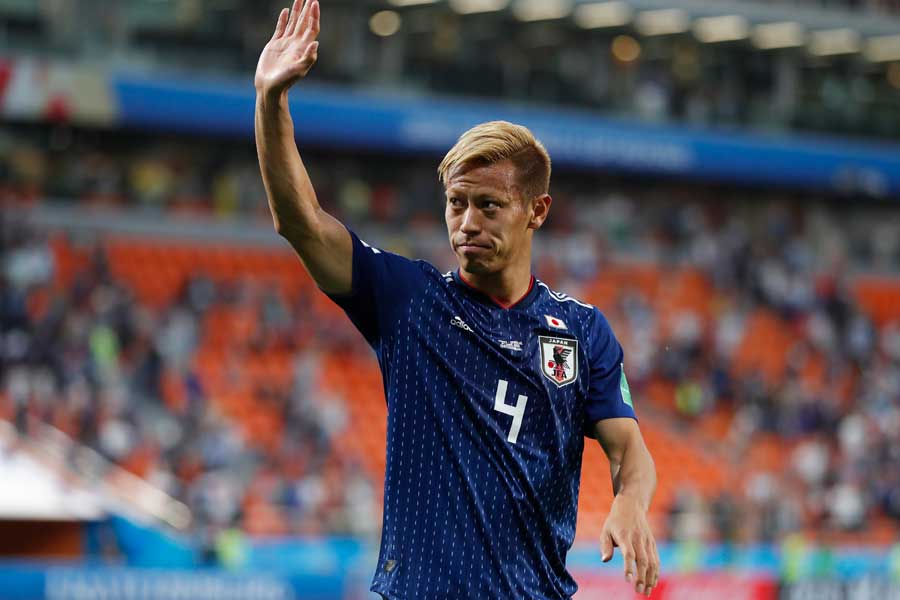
(505, 287)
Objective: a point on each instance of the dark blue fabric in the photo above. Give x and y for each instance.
(468, 513)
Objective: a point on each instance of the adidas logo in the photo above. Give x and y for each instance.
(458, 322)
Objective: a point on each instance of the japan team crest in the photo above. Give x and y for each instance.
(559, 359)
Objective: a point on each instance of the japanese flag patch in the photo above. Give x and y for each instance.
(555, 322)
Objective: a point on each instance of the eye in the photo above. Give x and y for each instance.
(454, 202)
(491, 204)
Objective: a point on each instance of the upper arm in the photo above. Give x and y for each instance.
(327, 255)
(381, 286)
(608, 396)
(615, 435)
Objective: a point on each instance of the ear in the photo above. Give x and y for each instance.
(540, 208)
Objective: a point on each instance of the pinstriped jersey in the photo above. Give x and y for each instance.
(487, 412)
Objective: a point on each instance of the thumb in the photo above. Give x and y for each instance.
(312, 51)
(606, 547)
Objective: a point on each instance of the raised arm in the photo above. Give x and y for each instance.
(634, 482)
(323, 244)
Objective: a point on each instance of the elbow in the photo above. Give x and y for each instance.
(287, 224)
(287, 230)
(281, 228)
(296, 231)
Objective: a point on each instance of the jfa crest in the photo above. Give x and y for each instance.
(559, 359)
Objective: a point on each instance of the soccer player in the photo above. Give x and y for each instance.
(492, 379)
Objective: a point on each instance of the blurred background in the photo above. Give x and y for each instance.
(183, 415)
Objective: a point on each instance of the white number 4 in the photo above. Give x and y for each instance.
(517, 411)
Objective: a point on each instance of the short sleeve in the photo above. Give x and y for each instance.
(608, 394)
(383, 283)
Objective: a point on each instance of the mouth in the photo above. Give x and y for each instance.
(471, 247)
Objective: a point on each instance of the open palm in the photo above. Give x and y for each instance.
(292, 51)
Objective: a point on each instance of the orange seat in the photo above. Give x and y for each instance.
(232, 370)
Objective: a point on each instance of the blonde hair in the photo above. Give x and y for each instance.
(497, 141)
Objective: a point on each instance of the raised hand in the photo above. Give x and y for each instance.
(292, 51)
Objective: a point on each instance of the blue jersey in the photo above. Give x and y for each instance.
(487, 412)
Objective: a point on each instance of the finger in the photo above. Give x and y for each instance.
(314, 19)
(628, 556)
(606, 547)
(311, 54)
(282, 23)
(656, 565)
(300, 27)
(642, 566)
(309, 58)
(295, 18)
(652, 567)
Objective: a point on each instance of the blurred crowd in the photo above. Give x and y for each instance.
(821, 377)
(876, 6)
(655, 221)
(832, 402)
(673, 78)
(92, 360)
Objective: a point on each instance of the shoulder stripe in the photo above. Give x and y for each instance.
(372, 248)
(560, 297)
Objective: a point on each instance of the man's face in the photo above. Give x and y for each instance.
(488, 222)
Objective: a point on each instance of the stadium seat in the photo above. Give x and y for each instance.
(687, 453)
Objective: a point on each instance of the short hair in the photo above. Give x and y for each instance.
(497, 141)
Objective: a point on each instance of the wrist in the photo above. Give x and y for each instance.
(633, 498)
(271, 95)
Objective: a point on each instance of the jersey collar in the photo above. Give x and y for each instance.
(519, 304)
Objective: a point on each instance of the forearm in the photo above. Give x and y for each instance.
(634, 482)
(295, 209)
(634, 473)
(320, 240)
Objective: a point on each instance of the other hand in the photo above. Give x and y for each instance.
(627, 527)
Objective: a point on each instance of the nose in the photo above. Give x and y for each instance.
(471, 222)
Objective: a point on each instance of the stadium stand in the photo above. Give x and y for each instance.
(729, 204)
(619, 67)
(765, 376)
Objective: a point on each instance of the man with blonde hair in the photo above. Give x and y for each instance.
(492, 379)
